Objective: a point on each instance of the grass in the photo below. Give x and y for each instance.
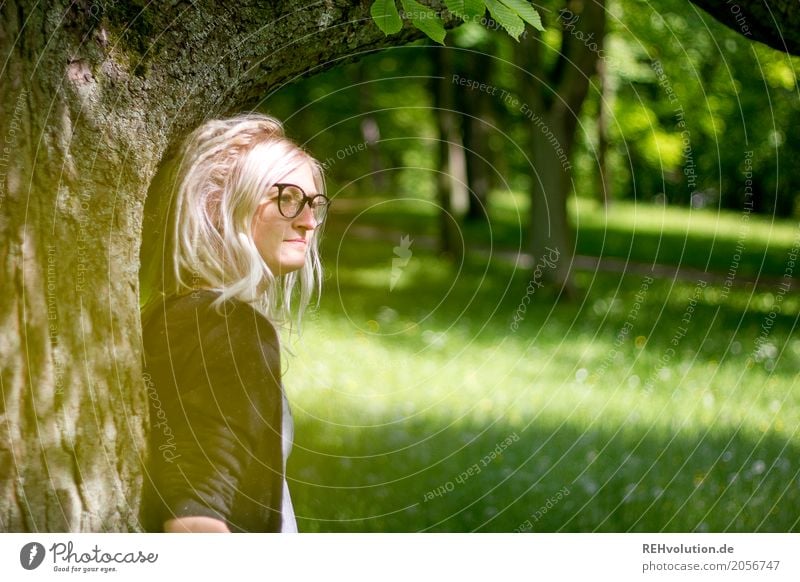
(418, 408)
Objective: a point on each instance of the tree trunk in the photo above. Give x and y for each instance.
(451, 177)
(91, 96)
(552, 104)
(476, 110)
(603, 108)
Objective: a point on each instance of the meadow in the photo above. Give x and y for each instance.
(648, 403)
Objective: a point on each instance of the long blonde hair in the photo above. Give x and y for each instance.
(225, 169)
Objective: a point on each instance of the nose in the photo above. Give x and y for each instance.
(305, 219)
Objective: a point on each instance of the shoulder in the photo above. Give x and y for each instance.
(199, 317)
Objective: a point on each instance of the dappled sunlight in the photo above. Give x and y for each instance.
(399, 392)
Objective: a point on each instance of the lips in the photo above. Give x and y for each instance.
(296, 240)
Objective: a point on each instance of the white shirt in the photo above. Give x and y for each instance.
(289, 522)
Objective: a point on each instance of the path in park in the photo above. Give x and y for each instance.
(579, 262)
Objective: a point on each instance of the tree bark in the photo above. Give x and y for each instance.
(451, 183)
(553, 100)
(775, 23)
(476, 120)
(91, 96)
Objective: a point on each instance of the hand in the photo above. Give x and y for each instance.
(195, 524)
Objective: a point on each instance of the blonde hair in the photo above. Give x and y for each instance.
(226, 167)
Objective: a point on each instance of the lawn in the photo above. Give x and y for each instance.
(645, 405)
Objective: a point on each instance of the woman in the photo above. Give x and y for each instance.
(239, 252)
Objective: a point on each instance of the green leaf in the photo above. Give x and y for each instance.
(507, 18)
(526, 11)
(425, 19)
(384, 12)
(466, 9)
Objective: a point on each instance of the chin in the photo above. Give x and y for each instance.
(285, 269)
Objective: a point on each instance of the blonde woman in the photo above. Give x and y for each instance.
(239, 259)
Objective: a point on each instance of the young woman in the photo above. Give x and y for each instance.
(238, 258)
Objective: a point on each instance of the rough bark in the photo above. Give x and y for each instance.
(92, 93)
(776, 23)
(554, 97)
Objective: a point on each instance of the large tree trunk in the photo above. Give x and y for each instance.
(91, 96)
(552, 103)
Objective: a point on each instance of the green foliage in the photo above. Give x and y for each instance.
(466, 9)
(668, 66)
(425, 19)
(385, 14)
(510, 14)
(518, 9)
(508, 19)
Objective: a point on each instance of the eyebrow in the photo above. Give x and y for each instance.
(308, 194)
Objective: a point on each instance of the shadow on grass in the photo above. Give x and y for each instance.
(414, 475)
(697, 250)
(425, 477)
(479, 299)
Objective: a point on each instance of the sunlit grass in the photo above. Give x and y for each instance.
(397, 393)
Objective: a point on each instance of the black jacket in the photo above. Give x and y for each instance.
(214, 388)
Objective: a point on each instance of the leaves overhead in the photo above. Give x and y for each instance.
(510, 14)
(425, 19)
(385, 15)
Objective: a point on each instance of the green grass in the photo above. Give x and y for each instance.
(396, 393)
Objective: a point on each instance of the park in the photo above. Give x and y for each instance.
(559, 264)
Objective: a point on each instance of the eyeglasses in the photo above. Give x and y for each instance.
(292, 199)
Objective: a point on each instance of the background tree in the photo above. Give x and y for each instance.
(554, 88)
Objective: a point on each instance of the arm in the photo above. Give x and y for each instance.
(195, 524)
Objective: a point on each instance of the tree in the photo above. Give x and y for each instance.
(92, 96)
(554, 95)
(775, 23)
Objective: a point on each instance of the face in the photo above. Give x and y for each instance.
(283, 242)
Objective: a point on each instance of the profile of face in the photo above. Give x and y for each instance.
(283, 242)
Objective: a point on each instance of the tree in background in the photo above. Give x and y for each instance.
(692, 100)
(554, 87)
